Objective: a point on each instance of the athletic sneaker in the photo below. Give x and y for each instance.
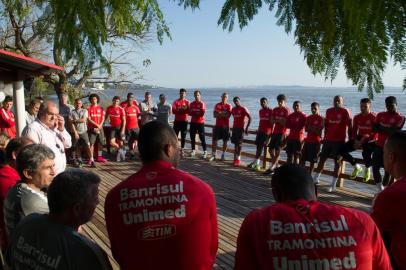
(122, 153)
(357, 170)
(367, 175)
(212, 158)
(223, 156)
(193, 154)
(101, 159)
(237, 163)
(118, 158)
(332, 189)
(205, 155)
(256, 167)
(91, 164)
(252, 165)
(268, 172)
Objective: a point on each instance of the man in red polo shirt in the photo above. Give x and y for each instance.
(299, 232)
(132, 115)
(337, 125)
(279, 116)
(263, 133)
(295, 123)
(314, 127)
(95, 122)
(386, 123)
(197, 111)
(180, 108)
(362, 137)
(221, 130)
(239, 113)
(388, 209)
(130, 101)
(116, 115)
(7, 122)
(161, 217)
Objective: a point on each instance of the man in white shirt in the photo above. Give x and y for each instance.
(49, 129)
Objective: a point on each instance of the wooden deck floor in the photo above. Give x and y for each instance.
(237, 190)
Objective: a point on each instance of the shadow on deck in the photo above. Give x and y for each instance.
(237, 190)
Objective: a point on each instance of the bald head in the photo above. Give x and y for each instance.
(395, 154)
(292, 182)
(48, 114)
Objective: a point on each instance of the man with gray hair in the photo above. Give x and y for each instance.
(72, 199)
(49, 129)
(36, 167)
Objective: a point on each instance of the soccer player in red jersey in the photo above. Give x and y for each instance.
(197, 111)
(314, 127)
(132, 115)
(299, 232)
(388, 208)
(337, 125)
(239, 113)
(7, 122)
(221, 130)
(362, 137)
(386, 123)
(130, 100)
(295, 123)
(116, 115)
(263, 133)
(95, 122)
(161, 217)
(279, 116)
(180, 108)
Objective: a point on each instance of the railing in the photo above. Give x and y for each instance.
(265, 158)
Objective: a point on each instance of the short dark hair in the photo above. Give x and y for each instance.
(293, 180)
(391, 99)
(365, 100)
(152, 138)
(34, 102)
(116, 98)
(182, 90)
(13, 146)
(236, 98)
(281, 97)
(263, 99)
(31, 156)
(77, 99)
(68, 188)
(147, 93)
(94, 95)
(315, 104)
(162, 95)
(8, 99)
(296, 102)
(197, 91)
(129, 95)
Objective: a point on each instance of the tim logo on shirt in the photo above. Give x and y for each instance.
(157, 232)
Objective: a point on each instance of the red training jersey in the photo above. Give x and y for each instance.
(295, 123)
(7, 123)
(131, 117)
(162, 218)
(96, 114)
(197, 110)
(389, 120)
(309, 235)
(239, 114)
(391, 220)
(265, 123)
(280, 113)
(124, 104)
(336, 122)
(115, 113)
(180, 108)
(362, 126)
(223, 109)
(314, 120)
(8, 178)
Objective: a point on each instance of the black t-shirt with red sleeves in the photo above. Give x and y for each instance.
(162, 218)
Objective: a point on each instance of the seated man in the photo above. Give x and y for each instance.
(299, 232)
(36, 167)
(178, 230)
(52, 240)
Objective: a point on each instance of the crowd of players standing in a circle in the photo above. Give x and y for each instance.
(163, 218)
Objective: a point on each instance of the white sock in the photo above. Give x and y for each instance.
(334, 182)
(257, 161)
(239, 158)
(358, 166)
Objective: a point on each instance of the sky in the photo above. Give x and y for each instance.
(202, 54)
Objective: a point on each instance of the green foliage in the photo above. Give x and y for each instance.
(360, 35)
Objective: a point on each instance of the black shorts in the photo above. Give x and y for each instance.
(196, 128)
(132, 134)
(262, 139)
(310, 152)
(331, 149)
(237, 136)
(221, 133)
(277, 140)
(94, 136)
(83, 140)
(293, 147)
(377, 157)
(115, 132)
(180, 126)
